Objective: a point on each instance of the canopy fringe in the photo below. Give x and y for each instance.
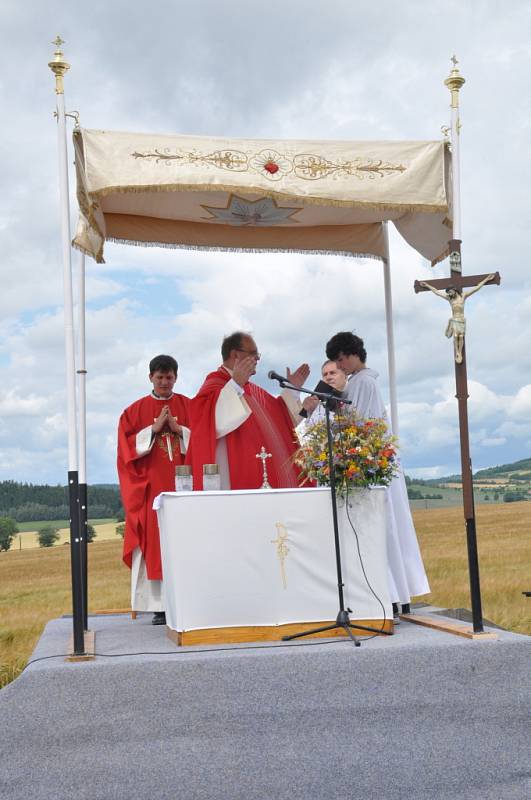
(218, 249)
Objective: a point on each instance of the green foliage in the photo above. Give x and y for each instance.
(91, 533)
(48, 535)
(8, 529)
(416, 494)
(26, 501)
(513, 497)
(120, 529)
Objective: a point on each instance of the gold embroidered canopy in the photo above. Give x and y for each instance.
(202, 192)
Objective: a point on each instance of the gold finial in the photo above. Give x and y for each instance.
(454, 82)
(58, 66)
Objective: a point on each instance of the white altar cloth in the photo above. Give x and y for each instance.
(255, 557)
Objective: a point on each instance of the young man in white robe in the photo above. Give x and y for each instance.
(407, 577)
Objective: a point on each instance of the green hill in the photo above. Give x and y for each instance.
(518, 470)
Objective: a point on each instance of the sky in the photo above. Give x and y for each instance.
(292, 69)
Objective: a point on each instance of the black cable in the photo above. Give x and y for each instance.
(269, 645)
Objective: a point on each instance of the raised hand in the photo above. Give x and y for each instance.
(298, 377)
(243, 369)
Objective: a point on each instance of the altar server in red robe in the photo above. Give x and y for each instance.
(232, 419)
(152, 438)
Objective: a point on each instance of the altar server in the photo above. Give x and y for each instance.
(407, 576)
(152, 437)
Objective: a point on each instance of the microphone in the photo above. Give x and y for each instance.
(274, 376)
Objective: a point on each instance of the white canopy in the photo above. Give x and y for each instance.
(201, 192)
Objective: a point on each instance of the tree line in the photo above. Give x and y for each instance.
(26, 502)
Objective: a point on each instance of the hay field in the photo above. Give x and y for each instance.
(35, 586)
(29, 538)
(504, 546)
(35, 583)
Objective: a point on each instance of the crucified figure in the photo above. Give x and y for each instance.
(457, 322)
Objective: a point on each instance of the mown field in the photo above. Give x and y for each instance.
(27, 536)
(35, 583)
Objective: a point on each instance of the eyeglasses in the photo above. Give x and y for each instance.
(253, 353)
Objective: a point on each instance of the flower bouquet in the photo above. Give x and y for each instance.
(364, 452)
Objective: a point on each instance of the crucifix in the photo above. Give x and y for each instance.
(451, 289)
(263, 455)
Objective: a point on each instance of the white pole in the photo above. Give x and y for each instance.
(390, 333)
(82, 372)
(454, 83)
(59, 67)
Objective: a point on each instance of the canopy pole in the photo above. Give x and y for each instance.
(82, 434)
(390, 333)
(59, 67)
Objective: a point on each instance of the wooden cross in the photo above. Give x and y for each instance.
(458, 282)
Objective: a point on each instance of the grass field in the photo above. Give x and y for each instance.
(35, 583)
(453, 496)
(27, 536)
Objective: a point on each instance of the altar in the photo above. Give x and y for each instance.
(255, 565)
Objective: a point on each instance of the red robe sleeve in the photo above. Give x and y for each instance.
(202, 446)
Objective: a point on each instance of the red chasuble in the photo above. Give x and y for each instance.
(269, 425)
(142, 478)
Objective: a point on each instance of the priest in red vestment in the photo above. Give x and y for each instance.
(232, 419)
(152, 436)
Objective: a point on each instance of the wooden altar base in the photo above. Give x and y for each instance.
(269, 633)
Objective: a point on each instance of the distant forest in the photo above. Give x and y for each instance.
(25, 502)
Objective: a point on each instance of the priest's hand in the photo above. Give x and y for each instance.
(243, 369)
(162, 420)
(298, 377)
(173, 425)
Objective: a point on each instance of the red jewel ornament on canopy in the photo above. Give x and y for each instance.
(271, 164)
(271, 167)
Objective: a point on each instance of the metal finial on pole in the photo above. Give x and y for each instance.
(58, 65)
(454, 82)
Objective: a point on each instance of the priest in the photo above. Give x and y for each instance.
(152, 436)
(405, 568)
(232, 419)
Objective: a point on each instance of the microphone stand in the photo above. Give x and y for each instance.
(342, 619)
